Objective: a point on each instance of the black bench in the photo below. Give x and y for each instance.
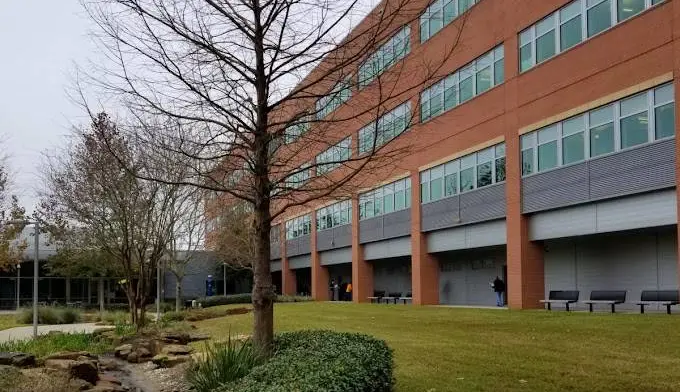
(666, 298)
(377, 296)
(407, 297)
(565, 297)
(606, 297)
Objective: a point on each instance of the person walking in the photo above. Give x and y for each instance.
(499, 287)
(348, 292)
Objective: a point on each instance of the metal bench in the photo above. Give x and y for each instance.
(407, 297)
(565, 297)
(377, 296)
(606, 297)
(392, 297)
(666, 298)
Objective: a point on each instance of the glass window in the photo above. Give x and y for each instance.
(450, 11)
(464, 5)
(547, 155)
(450, 91)
(484, 73)
(601, 139)
(627, 8)
(467, 179)
(664, 121)
(436, 21)
(599, 16)
(451, 184)
(436, 189)
(634, 130)
(545, 41)
(424, 192)
(573, 149)
(498, 72)
(571, 32)
(484, 174)
(500, 169)
(399, 201)
(388, 203)
(466, 87)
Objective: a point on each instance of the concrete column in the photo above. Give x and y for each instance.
(320, 276)
(362, 271)
(424, 266)
(287, 275)
(68, 289)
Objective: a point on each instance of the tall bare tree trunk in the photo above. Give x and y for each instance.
(178, 293)
(101, 295)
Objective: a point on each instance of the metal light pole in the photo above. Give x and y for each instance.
(224, 268)
(19, 286)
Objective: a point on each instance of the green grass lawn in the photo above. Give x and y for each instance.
(452, 349)
(8, 321)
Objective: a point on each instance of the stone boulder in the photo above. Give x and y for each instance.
(59, 364)
(177, 349)
(108, 364)
(106, 386)
(109, 378)
(84, 370)
(123, 351)
(17, 359)
(77, 384)
(168, 361)
(73, 355)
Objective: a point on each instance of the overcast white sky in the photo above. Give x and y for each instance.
(39, 42)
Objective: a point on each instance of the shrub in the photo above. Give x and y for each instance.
(52, 343)
(311, 361)
(224, 362)
(50, 315)
(245, 298)
(200, 314)
(293, 298)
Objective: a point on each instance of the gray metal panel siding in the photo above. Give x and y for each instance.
(631, 261)
(275, 266)
(469, 236)
(392, 276)
(296, 262)
(196, 272)
(641, 169)
(636, 170)
(561, 187)
(464, 277)
(336, 256)
(337, 237)
(275, 251)
(392, 225)
(393, 247)
(397, 224)
(479, 205)
(298, 246)
(625, 213)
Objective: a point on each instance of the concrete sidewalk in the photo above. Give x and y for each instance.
(22, 333)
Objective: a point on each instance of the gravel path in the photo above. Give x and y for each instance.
(22, 333)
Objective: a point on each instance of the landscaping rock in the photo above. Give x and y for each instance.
(73, 355)
(176, 349)
(109, 378)
(105, 386)
(8, 372)
(176, 338)
(108, 364)
(17, 359)
(133, 357)
(78, 384)
(123, 351)
(143, 352)
(84, 370)
(59, 364)
(168, 361)
(196, 337)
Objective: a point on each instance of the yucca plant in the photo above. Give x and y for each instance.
(223, 362)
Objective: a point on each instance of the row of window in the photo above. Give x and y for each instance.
(395, 49)
(439, 14)
(297, 227)
(392, 197)
(293, 132)
(472, 171)
(336, 97)
(389, 126)
(334, 215)
(639, 119)
(334, 156)
(474, 78)
(275, 234)
(300, 177)
(571, 24)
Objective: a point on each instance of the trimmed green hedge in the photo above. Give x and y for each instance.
(313, 361)
(244, 298)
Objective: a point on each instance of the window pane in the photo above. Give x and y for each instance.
(525, 58)
(463, 5)
(570, 33)
(436, 22)
(388, 203)
(425, 192)
(466, 89)
(483, 80)
(634, 105)
(408, 197)
(634, 130)
(665, 121)
(599, 18)
(500, 169)
(573, 148)
(369, 209)
(527, 161)
(498, 72)
(547, 156)
(399, 200)
(436, 189)
(451, 184)
(450, 11)
(424, 30)
(628, 8)
(484, 175)
(663, 94)
(377, 206)
(425, 109)
(467, 178)
(602, 139)
(545, 46)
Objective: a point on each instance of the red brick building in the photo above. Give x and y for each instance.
(546, 156)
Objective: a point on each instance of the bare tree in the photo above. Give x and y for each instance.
(245, 93)
(188, 236)
(127, 219)
(233, 236)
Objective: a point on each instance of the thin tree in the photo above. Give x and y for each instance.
(245, 93)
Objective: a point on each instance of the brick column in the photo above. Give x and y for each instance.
(320, 277)
(424, 266)
(287, 275)
(362, 271)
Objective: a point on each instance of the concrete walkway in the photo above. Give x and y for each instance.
(22, 333)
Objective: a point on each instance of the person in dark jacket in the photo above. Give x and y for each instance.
(499, 288)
